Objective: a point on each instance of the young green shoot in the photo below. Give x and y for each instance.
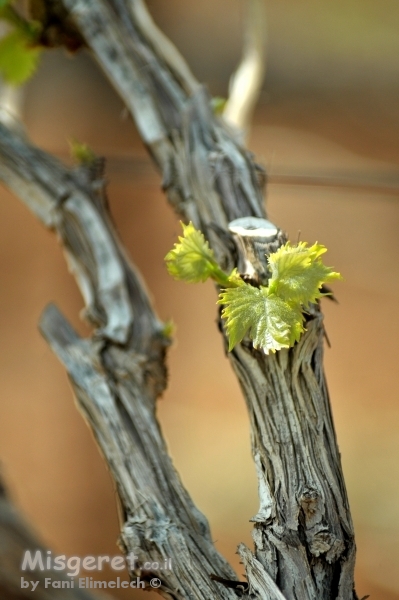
(271, 316)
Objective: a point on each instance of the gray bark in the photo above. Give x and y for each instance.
(304, 537)
(303, 534)
(119, 372)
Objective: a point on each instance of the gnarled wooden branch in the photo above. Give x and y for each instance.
(119, 372)
(304, 546)
(303, 532)
(219, 184)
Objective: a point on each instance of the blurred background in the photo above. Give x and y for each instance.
(326, 129)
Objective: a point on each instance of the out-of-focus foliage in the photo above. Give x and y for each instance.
(18, 60)
(19, 48)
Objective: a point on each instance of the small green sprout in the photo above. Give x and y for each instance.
(168, 329)
(272, 315)
(218, 105)
(82, 153)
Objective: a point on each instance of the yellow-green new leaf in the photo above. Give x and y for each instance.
(192, 259)
(298, 273)
(270, 322)
(18, 60)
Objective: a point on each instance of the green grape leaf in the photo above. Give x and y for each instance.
(18, 60)
(192, 259)
(298, 273)
(271, 316)
(271, 322)
(3, 3)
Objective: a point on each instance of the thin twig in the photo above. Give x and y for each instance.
(246, 82)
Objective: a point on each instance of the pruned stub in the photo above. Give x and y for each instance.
(255, 239)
